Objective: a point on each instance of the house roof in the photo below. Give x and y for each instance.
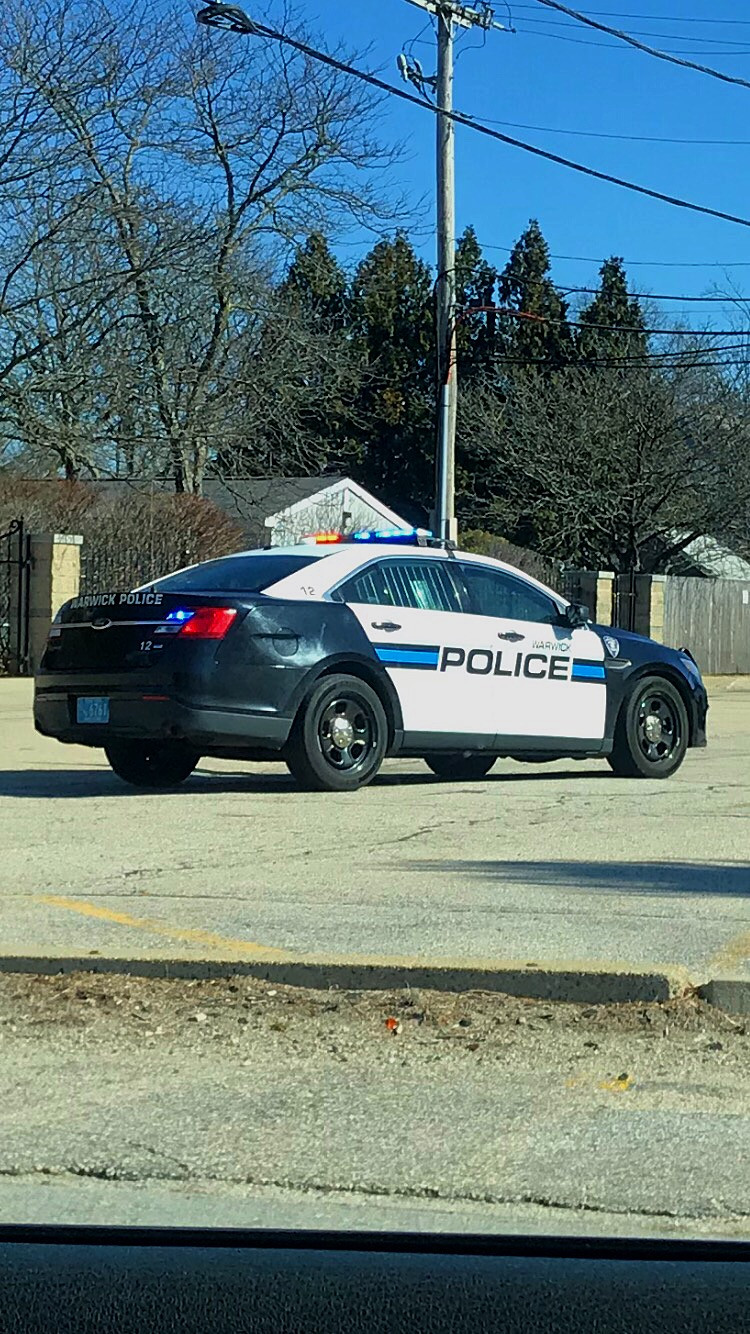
(716, 559)
(252, 500)
(334, 488)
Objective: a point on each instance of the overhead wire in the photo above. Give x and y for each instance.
(670, 36)
(642, 263)
(535, 318)
(655, 18)
(615, 46)
(480, 127)
(647, 296)
(620, 138)
(622, 36)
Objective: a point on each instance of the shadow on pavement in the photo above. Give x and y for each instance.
(729, 878)
(62, 783)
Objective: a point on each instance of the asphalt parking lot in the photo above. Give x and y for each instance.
(535, 864)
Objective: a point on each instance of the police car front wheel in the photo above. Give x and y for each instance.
(461, 766)
(152, 764)
(339, 738)
(651, 735)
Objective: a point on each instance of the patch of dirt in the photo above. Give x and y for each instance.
(149, 1009)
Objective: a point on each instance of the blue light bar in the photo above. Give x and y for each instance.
(180, 616)
(400, 536)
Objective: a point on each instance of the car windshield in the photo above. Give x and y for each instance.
(375, 617)
(235, 574)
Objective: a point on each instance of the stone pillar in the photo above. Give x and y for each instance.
(605, 588)
(656, 608)
(55, 577)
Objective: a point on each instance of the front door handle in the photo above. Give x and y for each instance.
(511, 637)
(390, 626)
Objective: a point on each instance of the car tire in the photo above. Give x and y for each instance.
(460, 766)
(339, 738)
(652, 733)
(151, 764)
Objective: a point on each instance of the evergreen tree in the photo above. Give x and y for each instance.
(392, 311)
(615, 322)
(525, 285)
(475, 287)
(317, 282)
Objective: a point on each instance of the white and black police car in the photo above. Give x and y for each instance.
(336, 653)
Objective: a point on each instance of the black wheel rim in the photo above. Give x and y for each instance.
(347, 733)
(658, 727)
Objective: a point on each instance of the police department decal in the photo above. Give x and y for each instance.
(117, 600)
(612, 645)
(553, 645)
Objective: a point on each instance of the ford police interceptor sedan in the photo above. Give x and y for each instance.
(333, 655)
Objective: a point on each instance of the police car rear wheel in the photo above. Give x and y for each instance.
(151, 763)
(651, 736)
(339, 739)
(462, 767)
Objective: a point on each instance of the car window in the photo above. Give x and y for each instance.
(424, 585)
(234, 574)
(494, 593)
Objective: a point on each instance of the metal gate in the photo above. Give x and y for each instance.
(632, 602)
(15, 570)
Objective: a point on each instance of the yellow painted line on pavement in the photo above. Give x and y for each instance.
(735, 952)
(246, 948)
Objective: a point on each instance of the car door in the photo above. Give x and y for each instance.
(410, 609)
(548, 680)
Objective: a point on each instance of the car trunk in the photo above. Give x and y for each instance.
(130, 633)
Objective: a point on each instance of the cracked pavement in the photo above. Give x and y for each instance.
(534, 863)
(240, 1104)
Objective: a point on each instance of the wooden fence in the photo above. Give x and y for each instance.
(711, 617)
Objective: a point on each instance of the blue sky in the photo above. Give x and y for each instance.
(541, 80)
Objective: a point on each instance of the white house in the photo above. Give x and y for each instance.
(343, 506)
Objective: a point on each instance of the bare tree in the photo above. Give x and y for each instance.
(188, 163)
(617, 468)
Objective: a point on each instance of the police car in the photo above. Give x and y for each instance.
(336, 653)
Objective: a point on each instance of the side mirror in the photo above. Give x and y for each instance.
(575, 615)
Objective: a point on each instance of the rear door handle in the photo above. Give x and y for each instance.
(511, 637)
(385, 625)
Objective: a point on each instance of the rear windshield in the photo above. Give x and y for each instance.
(235, 574)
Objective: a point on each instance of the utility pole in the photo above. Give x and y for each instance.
(445, 478)
(449, 15)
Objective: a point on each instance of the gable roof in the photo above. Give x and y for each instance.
(337, 487)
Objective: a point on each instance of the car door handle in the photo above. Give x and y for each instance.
(385, 625)
(511, 637)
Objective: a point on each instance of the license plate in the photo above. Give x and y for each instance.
(92, 710)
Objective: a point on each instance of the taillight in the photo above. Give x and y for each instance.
(208, 623)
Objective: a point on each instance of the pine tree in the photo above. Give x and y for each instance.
(475, 287)
(525, 285)
(317, 282)
(615, 322)
(393, 323)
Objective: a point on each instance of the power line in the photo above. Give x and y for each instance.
(620, 138)
(643, 263)
(480, 128)
(619, 363)
(634, 32)
(535, 318)
(615, 46)
(647, 296)
(642, 46)
(655, 18)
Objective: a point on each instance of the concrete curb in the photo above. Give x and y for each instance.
(731, 994)
(566, 982)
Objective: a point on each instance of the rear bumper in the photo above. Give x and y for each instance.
(151, 718)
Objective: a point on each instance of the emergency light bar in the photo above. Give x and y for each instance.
(405, 537)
